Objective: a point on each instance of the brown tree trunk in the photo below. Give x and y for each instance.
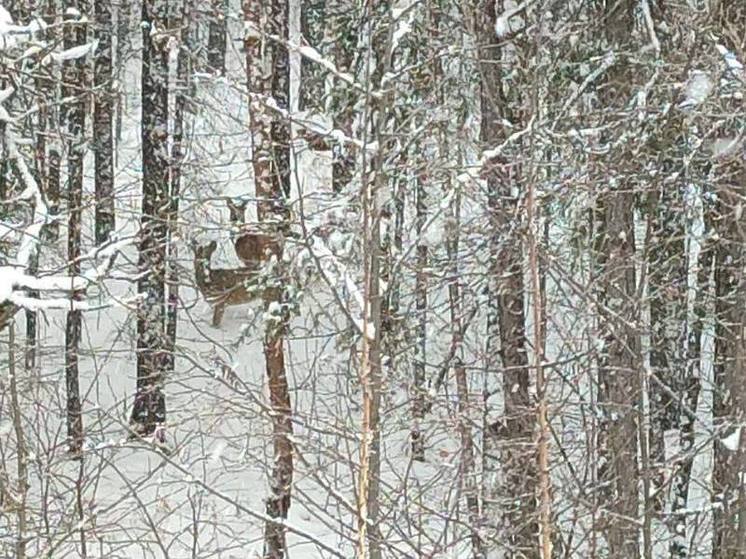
(730, 360)
(620, 364)
(514, 433)
(268, 73)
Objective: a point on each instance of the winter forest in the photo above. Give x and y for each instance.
(446, 279)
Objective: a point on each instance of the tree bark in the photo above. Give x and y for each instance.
(149, 408)
(419, 388)
(103, 132)
(339, 16)
(21, 448)
(514, 433)
(620, 364)
(179, 18)
(268, 73)
(312, 27)
(730, 360)
(74, 76)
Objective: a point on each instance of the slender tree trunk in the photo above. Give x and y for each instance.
(538, 321)
(103, 113)
(53, 188)
(21, 451)
(369, 544)
(467, 466)
(619, 391)
(514, 433)
(268, 73)
(31, 332)
(74, 76)
(375, 179)
(419, 388)
(179, 17)
(149, 408)
(45, 90)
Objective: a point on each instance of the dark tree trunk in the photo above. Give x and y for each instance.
(419, 387)
(341, 105)
(31, 333)
(312, 28)
(179, 17)
(216, 40)
(75, 78)
(467, 465)
(103, 112)
(149, 408)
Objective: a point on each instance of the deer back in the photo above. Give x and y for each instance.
(252, 247)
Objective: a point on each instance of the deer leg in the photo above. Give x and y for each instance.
(217, 314)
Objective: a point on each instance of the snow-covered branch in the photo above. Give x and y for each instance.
(14, 281)
(310, 125)
(31, 191)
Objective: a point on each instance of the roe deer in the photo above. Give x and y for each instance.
(222, 287)
(250, 245)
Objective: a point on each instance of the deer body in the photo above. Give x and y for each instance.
(251, 246)
(222, 287)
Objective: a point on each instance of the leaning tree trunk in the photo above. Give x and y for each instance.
(103, 131)
(74, 77)
(149, 408)
(268, 74)
(514, 433)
